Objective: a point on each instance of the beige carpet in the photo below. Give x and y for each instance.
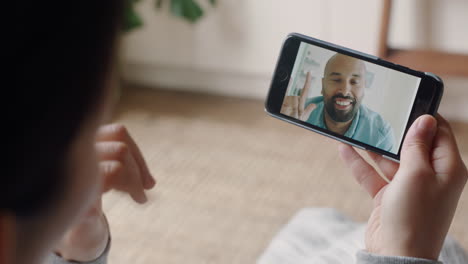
(229, 177)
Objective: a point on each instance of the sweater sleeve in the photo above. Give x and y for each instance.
(363, 257)
(55, 259)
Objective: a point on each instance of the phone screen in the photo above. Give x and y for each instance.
(347, 96)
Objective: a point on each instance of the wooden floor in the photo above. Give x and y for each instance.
(229, 177)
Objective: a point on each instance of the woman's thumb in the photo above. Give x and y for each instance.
(417, 146)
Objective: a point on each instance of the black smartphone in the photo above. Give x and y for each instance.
(348, 95)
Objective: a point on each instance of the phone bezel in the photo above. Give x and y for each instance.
(427, 99)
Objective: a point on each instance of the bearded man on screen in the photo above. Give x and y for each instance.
(340, 108)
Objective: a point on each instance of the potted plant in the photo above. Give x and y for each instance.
(189, 10)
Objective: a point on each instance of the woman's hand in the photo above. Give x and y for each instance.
(412, 213)
(122, 168)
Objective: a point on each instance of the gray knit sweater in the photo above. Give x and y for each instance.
(367, 258)
(54, 259)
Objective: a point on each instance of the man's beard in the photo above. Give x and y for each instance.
(341, 115)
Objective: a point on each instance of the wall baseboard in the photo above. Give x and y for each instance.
(190, 79)
(255, 86)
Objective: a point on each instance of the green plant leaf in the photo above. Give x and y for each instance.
(186, 9)
(131, 19)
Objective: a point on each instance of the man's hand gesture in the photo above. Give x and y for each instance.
(294, 106)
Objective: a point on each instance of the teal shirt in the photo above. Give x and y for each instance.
(367, 126)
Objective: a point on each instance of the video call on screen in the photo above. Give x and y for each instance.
(354, 98)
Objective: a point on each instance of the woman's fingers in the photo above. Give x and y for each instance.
(110, 170)
(417, 148)
(120, 170)
(111, 150)
(388, 167)
(117, 132)
(362, 171)
(446, 160)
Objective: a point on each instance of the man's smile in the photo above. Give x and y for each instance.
(341, 103)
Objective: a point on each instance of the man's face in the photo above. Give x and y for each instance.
(343, 87)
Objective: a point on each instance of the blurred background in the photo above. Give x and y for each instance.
(233, 48)
(229, 176)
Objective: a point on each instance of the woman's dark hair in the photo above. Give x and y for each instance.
(58, 55)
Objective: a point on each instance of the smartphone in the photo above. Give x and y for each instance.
(350, 96)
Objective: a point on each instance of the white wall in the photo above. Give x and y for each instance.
(233, 50)
(430, 24)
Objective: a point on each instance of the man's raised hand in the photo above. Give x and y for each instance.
(295, 106)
